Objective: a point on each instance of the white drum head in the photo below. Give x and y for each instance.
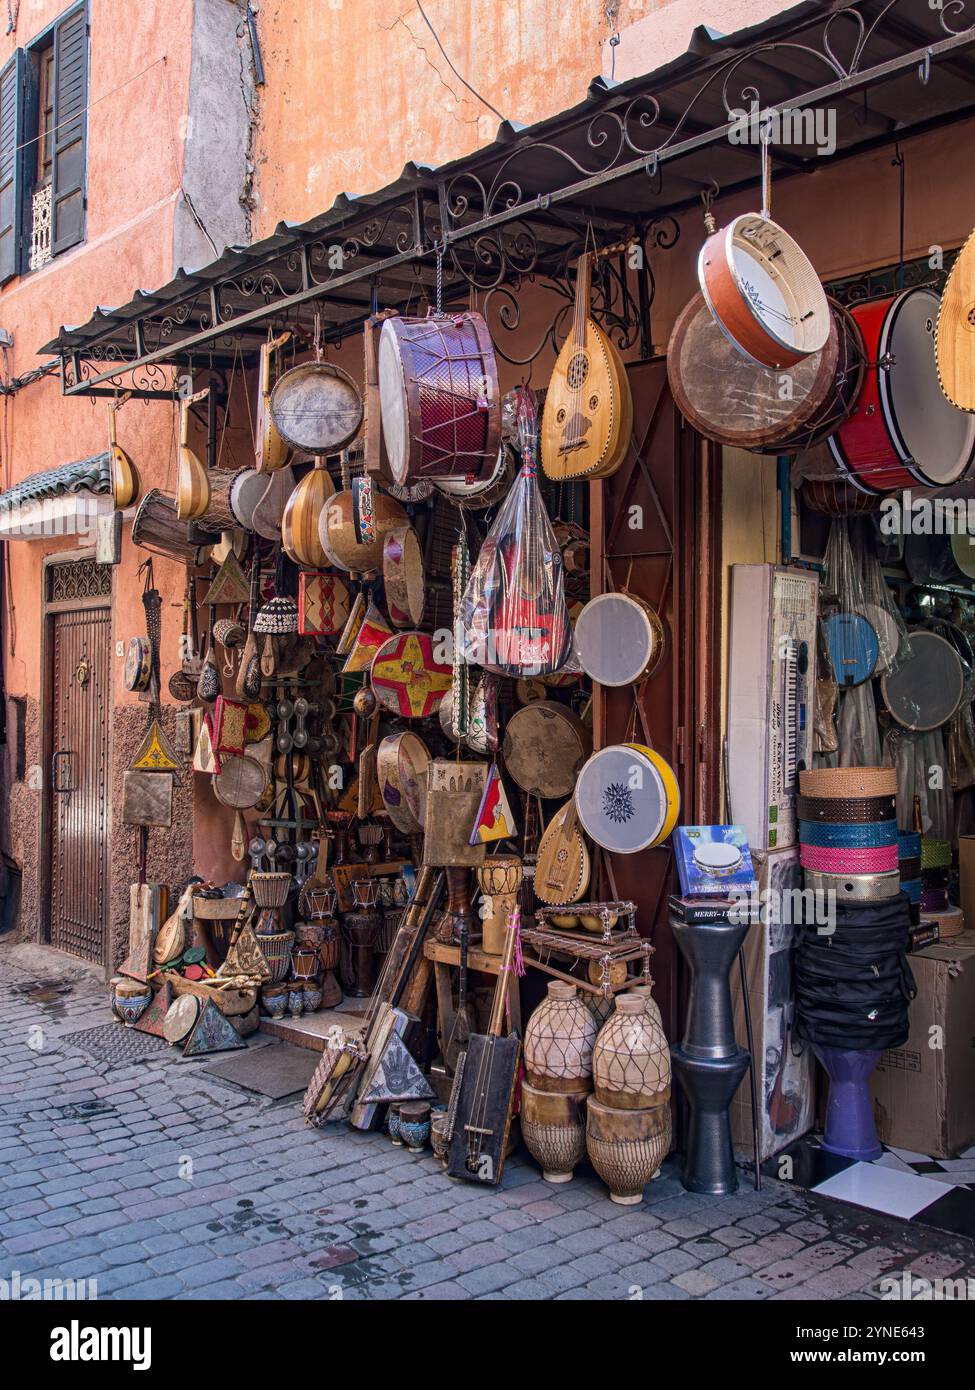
(717, 859)
(245, 493)
(615, 640)
(621, 800)
(927, 429)
(460, 487)
(393, 403)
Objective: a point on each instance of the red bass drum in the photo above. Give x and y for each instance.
(902, 431)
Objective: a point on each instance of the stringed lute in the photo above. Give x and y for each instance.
(588, 416)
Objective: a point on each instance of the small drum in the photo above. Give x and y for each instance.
(763, 291)
(138, 663)
(219, 515)
(717, 860)
(735, 401)
(902, 430)
(619, 639)
(931, 560)
(627, 798)
(853, 648)
(927, 687)
(440, 398)
(247, 487)
(488, 491)
(353, 526)
(963, 549)
(402, 761)
(316, 408)
(545, 745)
(157, 528)
(888, 635)
(403, 577)
(407, 678)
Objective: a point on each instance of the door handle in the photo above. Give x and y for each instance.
(57, 785)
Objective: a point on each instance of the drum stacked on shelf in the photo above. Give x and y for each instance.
(848, 832)
(935, 872)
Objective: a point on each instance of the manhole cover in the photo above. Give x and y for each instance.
(115, 1044)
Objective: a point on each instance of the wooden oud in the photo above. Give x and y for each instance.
(588, 416)
(954, 341)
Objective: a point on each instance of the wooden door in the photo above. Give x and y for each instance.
(655, 531)
(79, 778)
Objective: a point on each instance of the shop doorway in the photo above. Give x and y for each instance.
(78, 781)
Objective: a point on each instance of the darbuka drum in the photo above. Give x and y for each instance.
(734, 401)
(440, 399)
(619, 639)
(158, 529)
(927, 687)
(902, 430)
(627, 798)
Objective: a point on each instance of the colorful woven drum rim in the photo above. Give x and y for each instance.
(850, 809)
(859, 887)
(935, 878)
(841, 836)
(910, 868)
(934, 899)
(935, 854)
(950, 922)
(912, 889)
(843, 782)
(848, 861)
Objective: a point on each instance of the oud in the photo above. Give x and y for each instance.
(588, 415)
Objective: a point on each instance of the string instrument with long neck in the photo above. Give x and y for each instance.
(588, 416)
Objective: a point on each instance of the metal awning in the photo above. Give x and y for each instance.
(623, 163)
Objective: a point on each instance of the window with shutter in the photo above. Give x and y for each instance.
(11, 184)
(70, 81)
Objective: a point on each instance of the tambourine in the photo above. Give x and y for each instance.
(717, 859)
(627, 798)
(763, 291)
(402, 761)
(403, 577)
(854, 887)
(927, 687)
(619, 639)
(545, 745)
(138, 663)
(407, 678)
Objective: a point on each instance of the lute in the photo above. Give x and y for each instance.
(585, 430)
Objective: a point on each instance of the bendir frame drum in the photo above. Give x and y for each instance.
(902, 430)
(440, 397)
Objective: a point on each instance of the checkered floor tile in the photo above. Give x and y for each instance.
(915, 1187)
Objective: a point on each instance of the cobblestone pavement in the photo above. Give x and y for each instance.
(94, 1184)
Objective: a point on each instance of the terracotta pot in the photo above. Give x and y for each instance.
(559, 1041)
(631, 1058)
(554, 1130)
(627, 1147)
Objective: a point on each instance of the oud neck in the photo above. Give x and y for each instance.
(581, 310)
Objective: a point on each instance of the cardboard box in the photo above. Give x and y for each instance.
(785, 1073)
(924, 1092)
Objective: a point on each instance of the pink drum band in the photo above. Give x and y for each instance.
(849, 861)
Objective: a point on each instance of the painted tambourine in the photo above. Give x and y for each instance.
(627, 798)
(138, 663)
(402, 761)
(763, 291)
(403, 577)
(619, 639)
(407, 678)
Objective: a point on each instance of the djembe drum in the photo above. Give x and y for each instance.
(499, 880)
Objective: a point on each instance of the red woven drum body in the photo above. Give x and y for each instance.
(849, 861)
(440, 397)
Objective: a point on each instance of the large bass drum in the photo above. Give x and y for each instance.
(902, 430)
(734, 401)
(440, 398)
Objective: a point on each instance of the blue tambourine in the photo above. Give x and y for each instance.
(843, 835)
(853, 648)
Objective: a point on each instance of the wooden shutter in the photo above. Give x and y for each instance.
(70, 127)
(11, 181)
